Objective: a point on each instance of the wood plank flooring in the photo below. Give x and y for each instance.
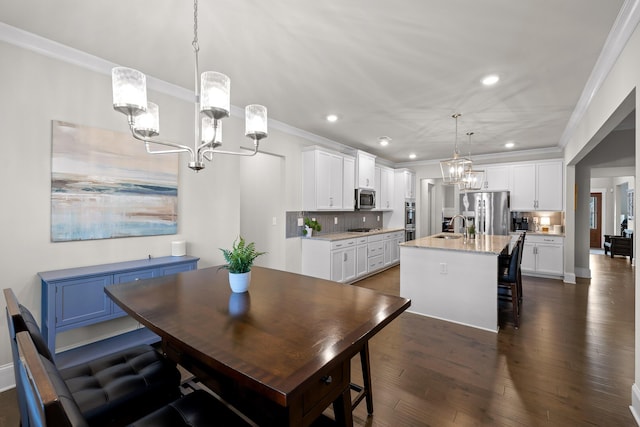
(571, 363)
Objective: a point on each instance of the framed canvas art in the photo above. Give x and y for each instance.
(105, 185)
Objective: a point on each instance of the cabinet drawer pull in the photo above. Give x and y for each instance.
(327, 379)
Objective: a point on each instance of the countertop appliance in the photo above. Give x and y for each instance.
(365, 199)
(489, 211)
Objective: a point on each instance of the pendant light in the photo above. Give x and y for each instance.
(453, 169)
(473, 179)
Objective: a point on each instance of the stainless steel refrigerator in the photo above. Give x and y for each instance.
(489, 211)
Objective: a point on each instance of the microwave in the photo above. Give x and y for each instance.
(365, 199)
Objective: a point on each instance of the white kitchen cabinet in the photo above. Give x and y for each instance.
(405, 182)
(343, 263)
(348, 182)
(496, 178)
(362, 257)
(365, 169)
(392, 248)
(543, 256)
(375, 253)
(537, 186)
(385, 189)
(322, 180)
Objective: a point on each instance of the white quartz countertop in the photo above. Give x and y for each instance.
(485, 244)
(351, 234)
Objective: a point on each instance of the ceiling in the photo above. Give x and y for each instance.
(397, 69)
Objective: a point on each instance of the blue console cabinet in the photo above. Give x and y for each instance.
(75, 297)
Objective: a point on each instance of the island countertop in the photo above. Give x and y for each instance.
(487, 244)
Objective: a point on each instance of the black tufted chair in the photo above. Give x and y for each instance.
(50, 402)
(111, 390)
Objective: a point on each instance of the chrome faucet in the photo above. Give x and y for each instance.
(464, 224)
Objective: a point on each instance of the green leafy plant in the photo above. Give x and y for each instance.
(241, 256)
(471, 230)
(312, 224)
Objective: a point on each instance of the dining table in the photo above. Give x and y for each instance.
(279, 353)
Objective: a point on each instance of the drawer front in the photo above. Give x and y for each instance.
(175, 269)
(376, 263)
(341, 244)
(325, 389)
(375, 249)
(362, 240)
(82, 301)
(559, 240)
(375, 238)
(132, 276)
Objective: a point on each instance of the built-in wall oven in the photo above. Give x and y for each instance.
(409, 220)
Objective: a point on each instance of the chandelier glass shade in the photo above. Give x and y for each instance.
(212, 95)
(453, 169)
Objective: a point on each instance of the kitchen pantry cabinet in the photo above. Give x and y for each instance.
(74, 297)
(325, 175)
(537, 186)
(385, 183)
(365, 169)
(543, 255)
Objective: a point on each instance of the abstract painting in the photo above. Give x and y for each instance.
(104, 185)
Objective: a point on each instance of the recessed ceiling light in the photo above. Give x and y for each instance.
(332, 118)
(384, 140)
(509, 145)
(490, 80)
(412, 156)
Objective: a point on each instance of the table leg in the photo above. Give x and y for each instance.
(342, 409)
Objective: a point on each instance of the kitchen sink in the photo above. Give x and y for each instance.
(447, 236)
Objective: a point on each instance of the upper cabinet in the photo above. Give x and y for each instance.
(406, 182)
(385, 191)
(323, 180)
(348, 182)
(496, 178)
(537, 186)
(365, 170)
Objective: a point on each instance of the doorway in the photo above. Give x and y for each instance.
(426, 209)
(595, 220)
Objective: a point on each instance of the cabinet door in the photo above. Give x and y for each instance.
(528, 257)
(387, 182)
(496, 178)
(336, 265)
(349, 264)
(388, 244)
(549, 259)
(361, 260)
(395, 249)
(409, 185)
(366, 170)
(523, 186)
(328, 181)
(550, 186)
(348, 183)
(82, 300)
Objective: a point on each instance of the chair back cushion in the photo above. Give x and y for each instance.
(509, 274)
(30, 325)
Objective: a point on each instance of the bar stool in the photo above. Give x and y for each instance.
(508, 281)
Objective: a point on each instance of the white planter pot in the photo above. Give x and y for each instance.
(239, 282)
(309, 231)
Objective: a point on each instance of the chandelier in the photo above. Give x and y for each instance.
(453, 169)
(473, 179)
(212, 104)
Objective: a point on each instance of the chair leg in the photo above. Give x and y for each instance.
(515, 301)
(364, 391)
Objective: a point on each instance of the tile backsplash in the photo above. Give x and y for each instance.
(345, 221)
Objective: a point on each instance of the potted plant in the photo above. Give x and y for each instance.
(471, 231)
(239, 261)
(310, 225)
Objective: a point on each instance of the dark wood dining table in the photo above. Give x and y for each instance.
(280, 352)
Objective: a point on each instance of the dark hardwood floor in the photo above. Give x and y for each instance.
(571, 363)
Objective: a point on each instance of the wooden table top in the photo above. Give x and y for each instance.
(272, 338)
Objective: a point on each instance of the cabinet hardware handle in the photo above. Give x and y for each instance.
(327, 379)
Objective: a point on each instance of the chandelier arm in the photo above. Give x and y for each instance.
(178, 148)
(233, 153)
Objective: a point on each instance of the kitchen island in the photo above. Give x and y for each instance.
(452, 278)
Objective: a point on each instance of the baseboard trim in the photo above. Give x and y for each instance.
(7, 379)
(635, 403)
(569, 278)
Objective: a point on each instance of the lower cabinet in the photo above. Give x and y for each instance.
(348, 259)
(75, 297)
(543, 255)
